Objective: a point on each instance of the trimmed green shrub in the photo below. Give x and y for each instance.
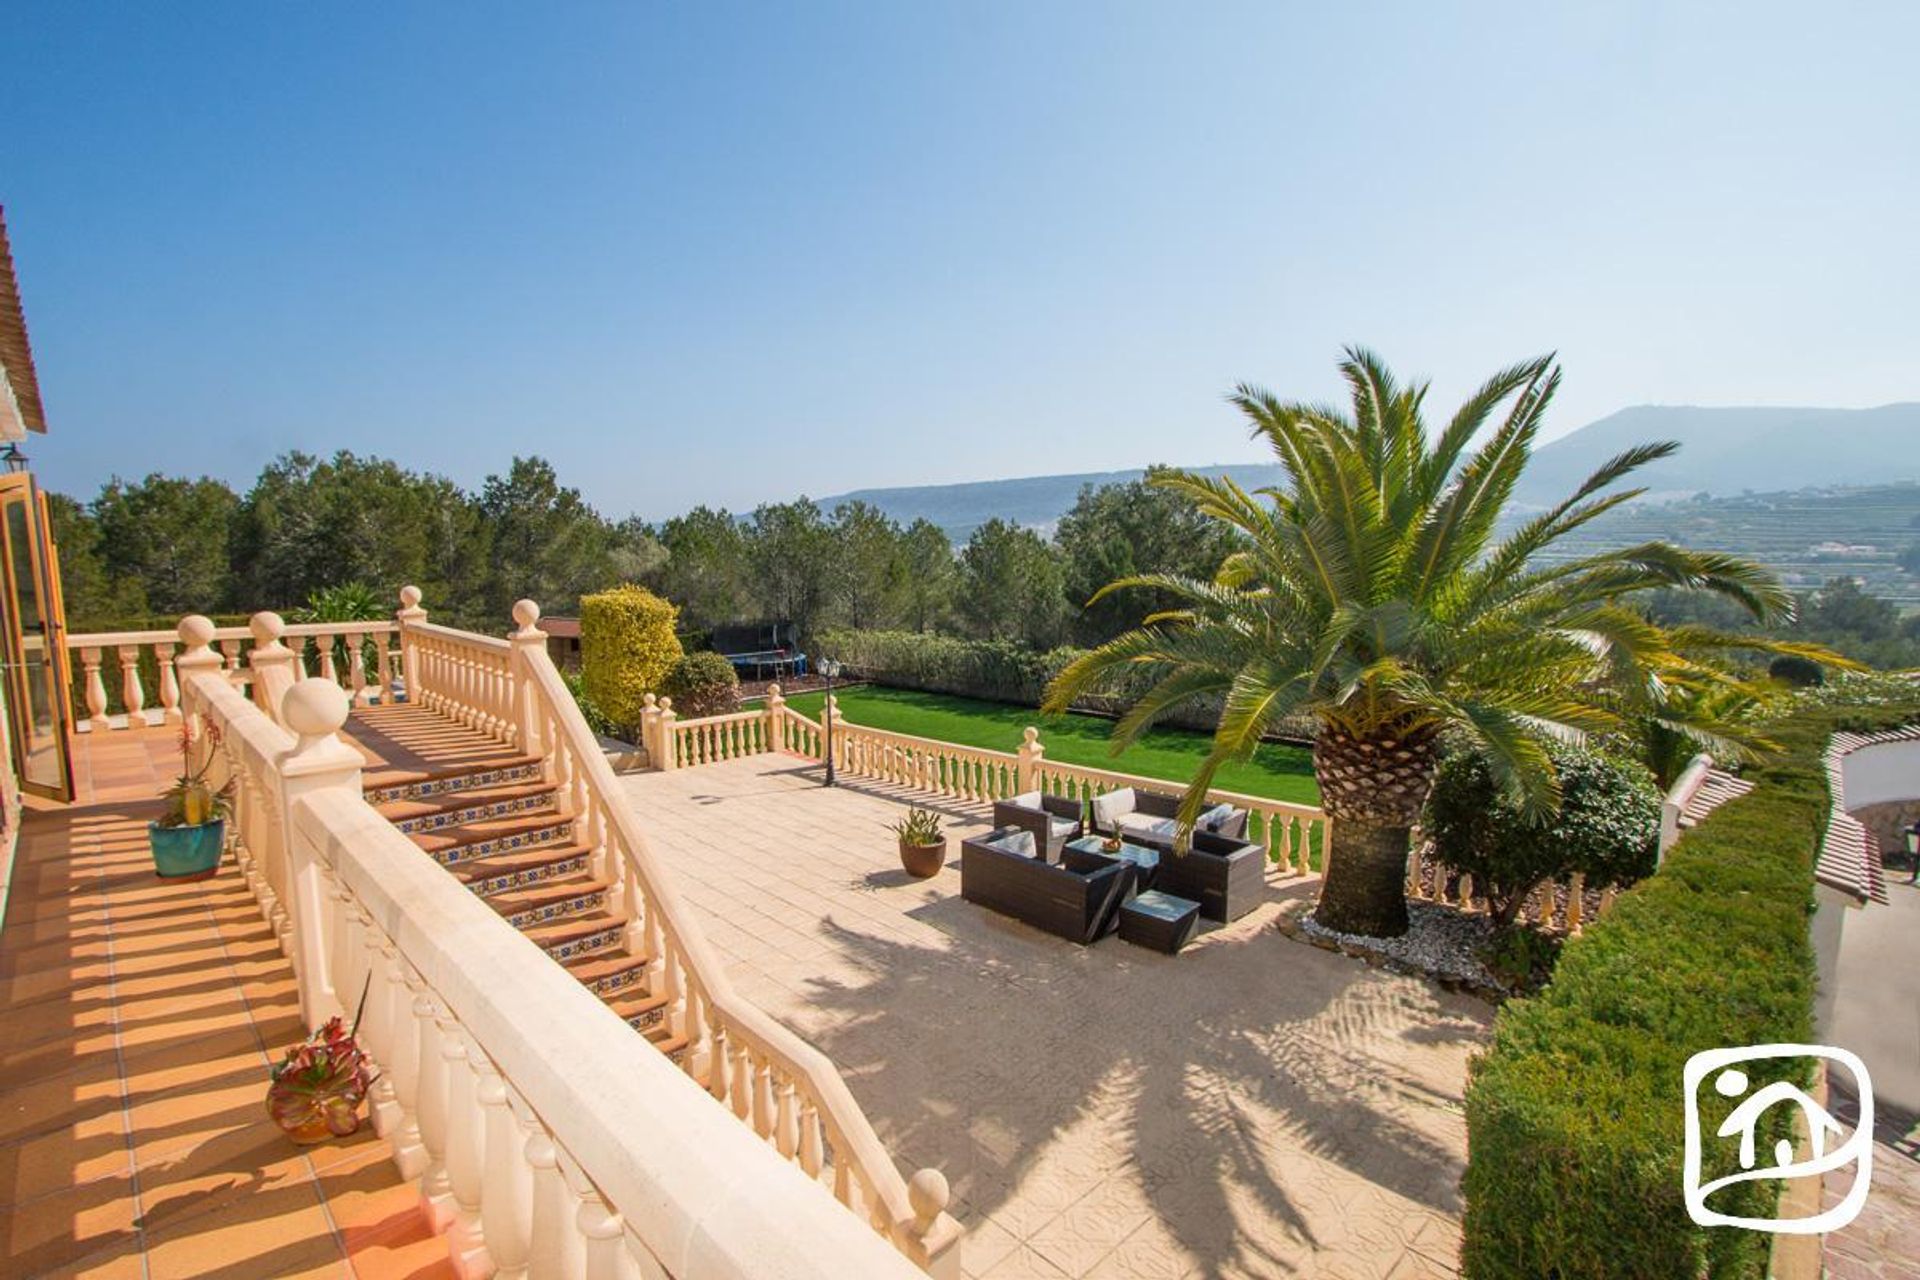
(702, 684)
(1800, 672)
(1607, 828)
(627, 646)
(1575, 1113)
(596, 719)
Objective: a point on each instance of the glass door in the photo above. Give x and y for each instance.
(33, 643)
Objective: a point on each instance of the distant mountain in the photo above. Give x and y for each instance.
(1729, 451)
(1035, 501)
(1723, 451)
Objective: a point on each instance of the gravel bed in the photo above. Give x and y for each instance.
(1440, 942)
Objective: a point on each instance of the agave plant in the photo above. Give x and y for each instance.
(919, 827)
(1374, 592)
(321, 1083)
(193, 800)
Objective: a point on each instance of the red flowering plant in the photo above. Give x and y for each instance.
(192, 800)
(318, 1087)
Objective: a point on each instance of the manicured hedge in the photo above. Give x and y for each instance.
(994, 670)
(1575, 1113)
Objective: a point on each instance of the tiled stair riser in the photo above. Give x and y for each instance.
(528, 875)
(647, 1018)
(549, 912)
(614, 983)
(427, 789)
(587, 944)
(473, 813)
(519, 841)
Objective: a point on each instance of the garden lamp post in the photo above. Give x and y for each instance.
(830, 668)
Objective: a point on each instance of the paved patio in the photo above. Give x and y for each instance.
(140, 1017)
(1252, 1107)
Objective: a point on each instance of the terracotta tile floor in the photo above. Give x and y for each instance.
(138, 1022)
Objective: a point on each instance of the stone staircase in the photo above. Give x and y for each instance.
(496, 824)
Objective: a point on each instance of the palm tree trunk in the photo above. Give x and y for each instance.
(1366, 880)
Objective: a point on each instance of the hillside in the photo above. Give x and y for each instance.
(1729, 451)
(1723, 452)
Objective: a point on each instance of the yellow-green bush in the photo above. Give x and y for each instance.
(627, 646)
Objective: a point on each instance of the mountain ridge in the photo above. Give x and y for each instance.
(1724, 450)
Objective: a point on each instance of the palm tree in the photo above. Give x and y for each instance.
(1373, 592)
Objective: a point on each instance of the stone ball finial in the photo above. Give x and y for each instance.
(196, 631)
(266, 626)
(315, 708)
(928, 1193)
(1031, 734)
(773, 690)
(666, 704)
(526, 613)
(409, 597)
(649, 701)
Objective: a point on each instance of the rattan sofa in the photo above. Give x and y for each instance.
(1000, 871)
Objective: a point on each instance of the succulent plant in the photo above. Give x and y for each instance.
(192, 800)
(322, 1080)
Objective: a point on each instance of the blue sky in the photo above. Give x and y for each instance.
(734, 253)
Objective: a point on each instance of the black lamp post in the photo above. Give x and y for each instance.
(831, 670)
(16, 461)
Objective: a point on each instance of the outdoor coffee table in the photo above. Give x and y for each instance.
(1146, 862)
(1159, 921)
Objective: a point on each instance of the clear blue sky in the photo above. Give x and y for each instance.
(726, 254)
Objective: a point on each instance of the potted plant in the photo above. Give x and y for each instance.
(923, 849)
(317, 1089)
(187, 839)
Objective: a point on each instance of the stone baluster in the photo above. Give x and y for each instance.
(96, 690)
(506, 1193)
(605, 1235)
(552, 1201)
(437, 1033)
(169, 682)
(382, 668)
(131, 694)
(230, 654)
(466, 1151)
(378, 1031)
(403, 1069)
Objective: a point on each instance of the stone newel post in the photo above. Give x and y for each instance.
(1031, 754)
(409, 614)
(776, 719)
(274, 665)
(314, 710)
(663, 731)
(529, 647)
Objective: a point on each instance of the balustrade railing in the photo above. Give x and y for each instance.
(786, 1091)
(129, 679)
(549, 1140)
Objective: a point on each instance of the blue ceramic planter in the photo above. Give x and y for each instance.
(187, 853)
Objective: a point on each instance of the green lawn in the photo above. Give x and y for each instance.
(1275, 772)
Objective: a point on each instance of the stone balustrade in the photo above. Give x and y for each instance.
(129, 679)
(548, 1139)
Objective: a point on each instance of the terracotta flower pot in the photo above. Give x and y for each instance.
(923, 861)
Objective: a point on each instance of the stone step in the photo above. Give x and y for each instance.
(458, 808)
(643, 1012)
(494, 836)
(507, 872)
(611, 973)
(544, 904)
(597, 934)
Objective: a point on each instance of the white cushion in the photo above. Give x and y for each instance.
(1060, 826)
(1020, 842)
(1143, 824)
(1108, 808)
(1026, 800)
(1213, 819)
